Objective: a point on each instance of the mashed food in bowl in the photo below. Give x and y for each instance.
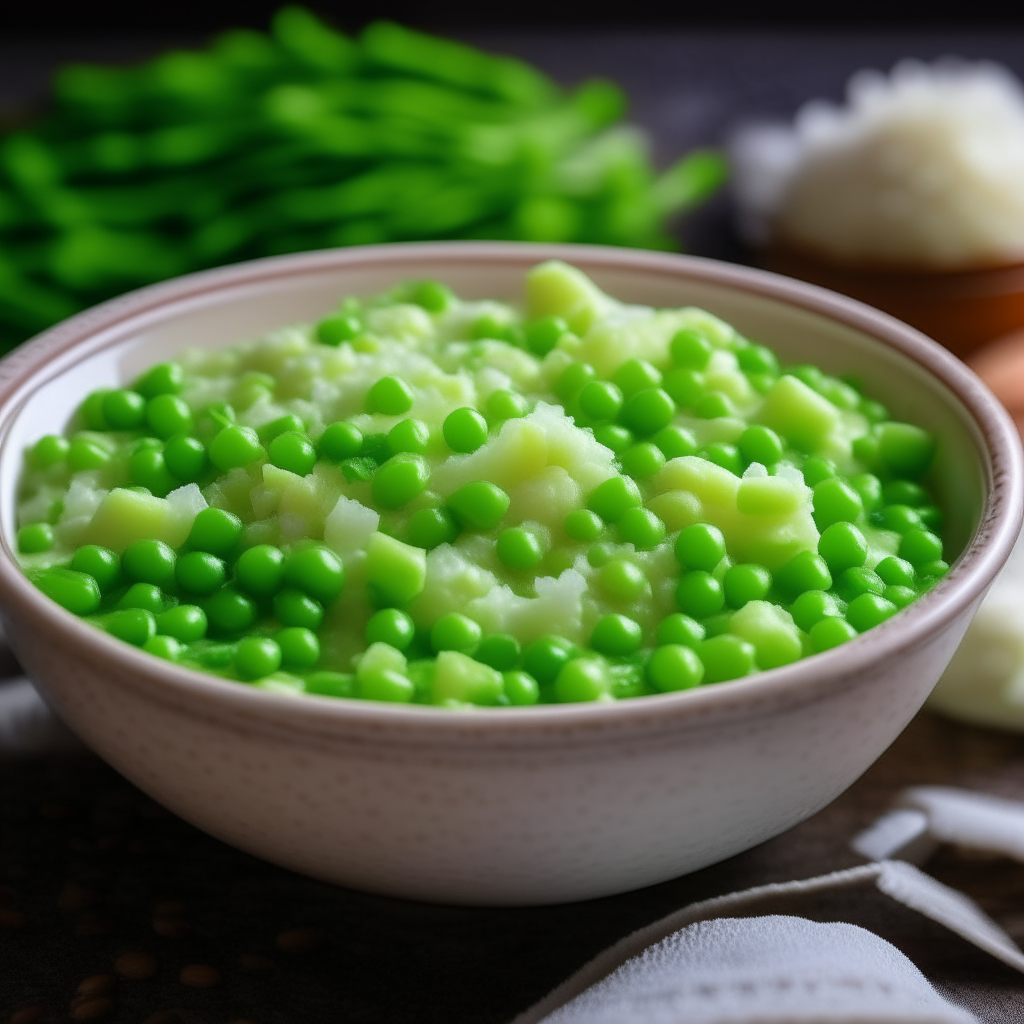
(920, 169)
(424, 499)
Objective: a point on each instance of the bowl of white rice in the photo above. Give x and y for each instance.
(910, 196)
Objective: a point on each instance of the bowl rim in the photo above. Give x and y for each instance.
(359, 721)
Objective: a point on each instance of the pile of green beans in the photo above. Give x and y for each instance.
(305, 138)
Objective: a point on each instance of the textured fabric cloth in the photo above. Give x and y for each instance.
(721, 962)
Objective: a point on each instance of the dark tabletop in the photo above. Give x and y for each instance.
(91, 869)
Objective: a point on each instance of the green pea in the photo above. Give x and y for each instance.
(622, 581)
(519, 548)
(520, 688)
(91, 410)
(166, 647)
(228, 611)
(760, 444)
(315, 570)
(869, 610)
(842, 546)
(338, 328)
(674, 667)
(479, 505)
(689, 348)
(506, 405)
(331, 684)
(899, 596)
(146, 596)
(648, 411)
(386, 685)
(611, 498)
(726, 657)
(685, 387)
(700, 546)
(816, 469)
(935, 569)
(235, 446)
(804, 571)
(895, 571)
(830, 632)
(699, 594)
(636, 375)
(812, 606)
(544, 334)
(869, 488)
(873, 411)
(900, 518)
(198, 572)
(756, 359)
(433, 296)
(430, 527)
(260, 570)
(341, 441)
(616, 635)
(147, 467)
(100, 563)
(167, 415)
(679, 629)
(376, 447)
(465, 430)
(49, 451)
(74, 591)
(35, 537)
(149, 561)
(573, 380)
(390, 626)
(642, 460)
(614, 436)
(712, 406)
(123, 409)
(132, 625)
(402, 478)
(289, 421)
(162, 379)
(455, 632)
(726, 455)
(582, 679)
(185, 457)
(641, 528)
(499, 650)
(835, 502)
(294, 452)
(675, 442)
(583, 525)
(184, 622)
(545, 658)
(294, 608)
(601, 400)
(300, 648)
(490, 326)
(409, 435)
(919, 546)
(87, 453)
(744, 583)
(256, 657)
(905, 492)
(391, 396)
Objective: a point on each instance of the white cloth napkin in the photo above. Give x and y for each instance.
(714, 962)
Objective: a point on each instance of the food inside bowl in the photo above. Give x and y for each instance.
(909, 196)
(451, 502)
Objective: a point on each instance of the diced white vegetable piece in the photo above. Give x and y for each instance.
(349, 526)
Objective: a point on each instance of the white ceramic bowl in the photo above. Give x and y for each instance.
(509, 805)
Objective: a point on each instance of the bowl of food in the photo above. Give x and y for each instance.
(907, 197)
(438, 594)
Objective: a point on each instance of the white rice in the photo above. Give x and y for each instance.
(924, 167)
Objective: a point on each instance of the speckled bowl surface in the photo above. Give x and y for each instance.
(507, 805)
